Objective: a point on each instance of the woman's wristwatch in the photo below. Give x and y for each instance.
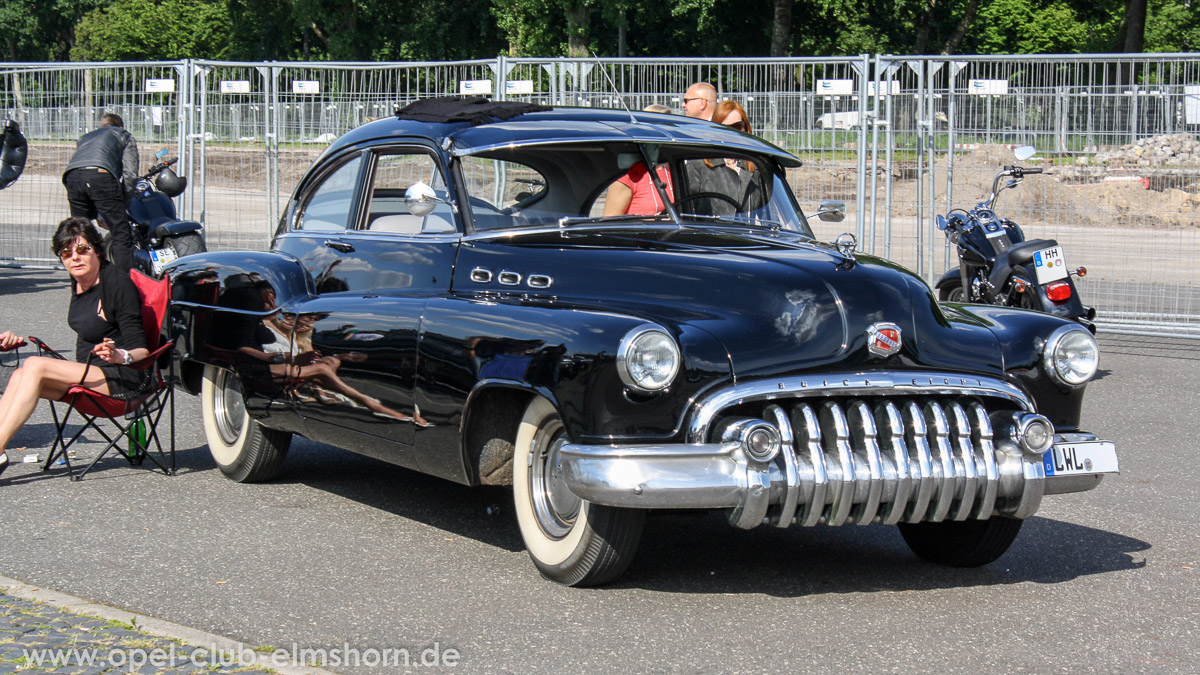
(128, 357)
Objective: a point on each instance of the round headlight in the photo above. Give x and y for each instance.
(1071, 355)
(648, 359)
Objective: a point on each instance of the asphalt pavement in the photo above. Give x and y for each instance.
(343, 551)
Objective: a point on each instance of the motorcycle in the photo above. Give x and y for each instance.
(159, 236)
(997, 265)
(13, 153)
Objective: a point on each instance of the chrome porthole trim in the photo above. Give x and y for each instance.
(540, 281)
(509, 278)
(481, 275)
(1049, 354)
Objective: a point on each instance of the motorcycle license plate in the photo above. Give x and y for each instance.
(1067, 459)
(159, 257)
(1049, 265)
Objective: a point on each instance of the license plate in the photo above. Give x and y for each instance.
(1067, 459)
(1049, 265)
(159, 257)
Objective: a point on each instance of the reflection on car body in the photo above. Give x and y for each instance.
(468, 311)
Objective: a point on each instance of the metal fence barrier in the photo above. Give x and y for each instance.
(899, 138)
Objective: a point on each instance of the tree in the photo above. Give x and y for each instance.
(1173, 26)
(1132, 33)
(263, 30)
(781, 27)
(145, 30)
(41, 30)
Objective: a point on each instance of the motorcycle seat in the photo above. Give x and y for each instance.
(1023, 252)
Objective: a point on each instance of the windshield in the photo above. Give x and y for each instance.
(598, 182)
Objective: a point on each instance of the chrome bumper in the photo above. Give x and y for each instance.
(836, 464)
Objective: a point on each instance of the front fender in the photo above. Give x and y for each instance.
(952, 277)
(1022, 336)
(566, 354)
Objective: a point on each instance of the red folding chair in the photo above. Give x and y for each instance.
(142, 409)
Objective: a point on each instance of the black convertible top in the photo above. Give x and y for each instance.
(474, 110)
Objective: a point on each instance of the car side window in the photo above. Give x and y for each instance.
(504, 193)
(395, 172)
(328, 207)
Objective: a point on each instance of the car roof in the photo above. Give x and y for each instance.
(559, 125)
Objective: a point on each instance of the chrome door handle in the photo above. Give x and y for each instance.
(339, 246)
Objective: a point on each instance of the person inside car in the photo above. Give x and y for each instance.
(634, 193)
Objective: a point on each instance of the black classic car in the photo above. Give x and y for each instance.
(445, 293)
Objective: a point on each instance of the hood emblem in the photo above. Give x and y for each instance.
(883, 339)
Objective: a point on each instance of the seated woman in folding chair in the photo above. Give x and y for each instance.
(105, 314)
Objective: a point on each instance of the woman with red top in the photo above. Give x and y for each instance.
(634, 193)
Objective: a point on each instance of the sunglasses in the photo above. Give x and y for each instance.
(740, 126)
(81, 249)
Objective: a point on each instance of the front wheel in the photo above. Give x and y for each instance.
(185, 244)
(570, 541)
(245, 451)
(968, 543)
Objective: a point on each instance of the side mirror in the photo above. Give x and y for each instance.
(832, 211)
(941, 222)
(1024, 152)
(421, 199)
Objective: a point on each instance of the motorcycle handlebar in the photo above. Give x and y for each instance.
(159, 167)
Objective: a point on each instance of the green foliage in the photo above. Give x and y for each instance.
(153, 30)
(1019, 26)
(364, 30)
(533, 27)
(41, 30)
(1173, 26)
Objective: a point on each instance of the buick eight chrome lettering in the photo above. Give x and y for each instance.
(446, 293)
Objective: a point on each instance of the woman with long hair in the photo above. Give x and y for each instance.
(106, 315)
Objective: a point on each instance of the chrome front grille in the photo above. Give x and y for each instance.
(835, 449)
(885, 460)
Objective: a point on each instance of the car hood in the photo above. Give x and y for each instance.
(778, 302)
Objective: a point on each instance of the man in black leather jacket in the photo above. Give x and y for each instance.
(98, 179)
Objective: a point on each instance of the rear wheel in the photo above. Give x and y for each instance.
(952, 293)
(185, 244)
(244, 450)
(570, 541)
(1028, 299)
(968, 543)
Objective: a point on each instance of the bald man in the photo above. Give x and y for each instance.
(700, 101)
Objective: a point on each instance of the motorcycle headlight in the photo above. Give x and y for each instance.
(1071, 355)
(648, 359)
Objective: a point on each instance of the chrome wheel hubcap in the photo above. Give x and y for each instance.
(554, 504)
(229, 408)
